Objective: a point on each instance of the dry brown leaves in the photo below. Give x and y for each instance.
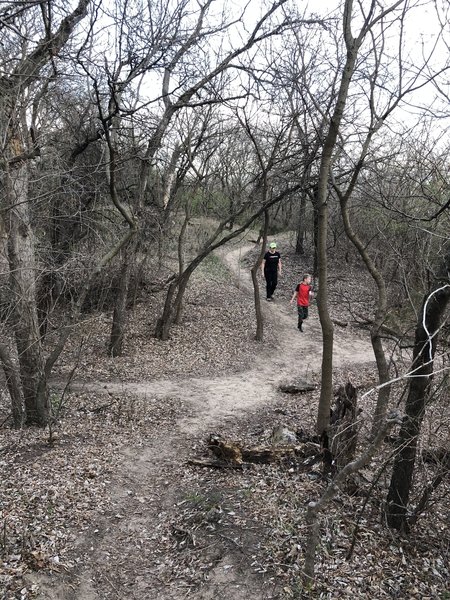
(236, 532)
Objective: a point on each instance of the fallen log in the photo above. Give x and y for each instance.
(233, 455)
(213, 464)
(299, 387)
(340, 323)
(368, 322)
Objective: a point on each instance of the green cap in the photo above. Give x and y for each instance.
(272, 245)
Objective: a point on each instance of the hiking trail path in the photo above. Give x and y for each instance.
(208, 403)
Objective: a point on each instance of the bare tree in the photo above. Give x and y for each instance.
(421, 377)
(174, 56)
(373, 26)
(19, 147)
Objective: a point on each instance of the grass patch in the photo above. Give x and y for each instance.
(213, 268)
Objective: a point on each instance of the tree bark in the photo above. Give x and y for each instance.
(301, 227)
(120, 312)
(259, 335)
(326, 392)
(426, 338)
(344, 426)
(22, 265)
(380, 315)
(14, 386)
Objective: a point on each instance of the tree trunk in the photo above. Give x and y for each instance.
(315, 237)
(181, 243)
(380, 315)
(426, 337)
(326, 392)
(344, 426)
(120, 309)
(22, 265)
(14, 386)
(384, 392)
(259, 335)
(301, 227)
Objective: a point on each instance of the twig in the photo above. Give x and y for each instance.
(361, 512)
(8, 416)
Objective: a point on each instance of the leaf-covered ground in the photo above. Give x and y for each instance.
(107, 507)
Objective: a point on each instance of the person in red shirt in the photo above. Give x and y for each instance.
(303, 293)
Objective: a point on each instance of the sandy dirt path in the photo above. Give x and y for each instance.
(208, 402)
(294, 354)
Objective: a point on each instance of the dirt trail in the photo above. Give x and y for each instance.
(208, 403)
(294, 354)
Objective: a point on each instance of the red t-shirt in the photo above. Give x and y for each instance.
(303, 290)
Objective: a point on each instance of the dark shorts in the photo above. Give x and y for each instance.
(302, 312)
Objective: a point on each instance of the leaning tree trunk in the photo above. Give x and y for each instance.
(380, 315)
(419, 388)
(22, 265)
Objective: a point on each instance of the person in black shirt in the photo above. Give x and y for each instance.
(271, 267)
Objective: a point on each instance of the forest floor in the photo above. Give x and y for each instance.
(109, 507)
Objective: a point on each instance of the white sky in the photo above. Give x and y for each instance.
(421, 32)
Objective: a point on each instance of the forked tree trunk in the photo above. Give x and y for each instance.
(164, 323)
(426, 338)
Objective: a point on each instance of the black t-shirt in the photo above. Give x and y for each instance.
(272, 259)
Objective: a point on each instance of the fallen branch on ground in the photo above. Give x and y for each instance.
(368, 322)
(339, 323)
(233, 455)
